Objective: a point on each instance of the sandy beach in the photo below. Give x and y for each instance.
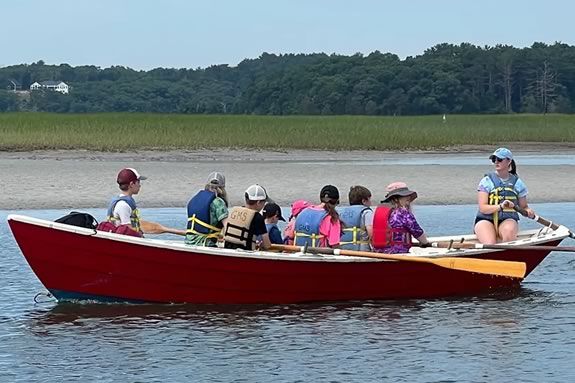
(81, 179)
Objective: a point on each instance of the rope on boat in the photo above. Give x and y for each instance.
(47, 294)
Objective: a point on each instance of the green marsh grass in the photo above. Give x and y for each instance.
(128, 131)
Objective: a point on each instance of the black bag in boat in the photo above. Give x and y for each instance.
(76, 218)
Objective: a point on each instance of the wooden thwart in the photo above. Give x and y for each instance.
(469, 245)
(473, 265)
(155, 228)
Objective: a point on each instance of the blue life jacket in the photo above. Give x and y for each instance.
(134, 217)
(199, 215)
(354, 236)
(306, 230)
(503, 190)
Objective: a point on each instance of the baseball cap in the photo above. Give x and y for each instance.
(217, 178)
(329, 191)
(127, 175)
(256, 193)
(271, 209)
(502, 153)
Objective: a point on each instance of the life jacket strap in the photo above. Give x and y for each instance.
(134, 221)
(354, 235)
(195, 220)
(315, 238)
(495, 199)
(236, 234)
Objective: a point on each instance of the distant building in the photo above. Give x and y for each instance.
(13, 85)
(57, 86)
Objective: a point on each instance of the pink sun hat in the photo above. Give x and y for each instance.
(398, 189)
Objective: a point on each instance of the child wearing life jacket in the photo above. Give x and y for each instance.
(245, 223)
(395, 225)
(357, 220)
(296, 208)
(123, 215)
(272, 215)
(207, 212)
(319, 226)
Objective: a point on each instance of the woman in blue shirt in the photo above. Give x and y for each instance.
(498, 194)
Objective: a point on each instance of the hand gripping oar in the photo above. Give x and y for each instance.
(155, 228)
(543, 221)
(473, 265)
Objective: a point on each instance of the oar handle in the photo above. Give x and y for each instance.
(538, 219)
(543, 221)
(175, 231)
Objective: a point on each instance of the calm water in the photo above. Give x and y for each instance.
(525, 337)
(448, 159)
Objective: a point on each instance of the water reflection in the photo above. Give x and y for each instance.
(448, 159)
(70, 313)
(63, 314)
(341, 337)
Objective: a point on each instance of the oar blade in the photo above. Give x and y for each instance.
(156, 228)
(151, 227)
(473, 265)
(484, 266)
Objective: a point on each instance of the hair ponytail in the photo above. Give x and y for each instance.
(329, 206)
(219, 191)
(513, 168)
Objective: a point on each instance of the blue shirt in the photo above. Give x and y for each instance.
(274, 233)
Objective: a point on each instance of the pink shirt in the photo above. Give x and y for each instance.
(330, 230)
(289, 232)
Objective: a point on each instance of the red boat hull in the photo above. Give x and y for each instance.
(80, 266)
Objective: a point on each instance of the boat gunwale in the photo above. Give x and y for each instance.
(531, 237)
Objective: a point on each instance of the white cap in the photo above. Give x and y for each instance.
(256, 193)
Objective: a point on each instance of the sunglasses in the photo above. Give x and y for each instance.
(497, 159)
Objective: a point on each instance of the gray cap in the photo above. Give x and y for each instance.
(217, 178)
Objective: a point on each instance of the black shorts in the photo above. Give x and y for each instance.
(478, 219)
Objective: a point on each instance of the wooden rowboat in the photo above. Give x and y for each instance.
(75, 263)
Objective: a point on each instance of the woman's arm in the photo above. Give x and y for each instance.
(485, 207)
(525, 206)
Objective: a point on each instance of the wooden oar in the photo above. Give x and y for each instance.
(155, 228)
(474, 265)
(543, 221)
(467, 245)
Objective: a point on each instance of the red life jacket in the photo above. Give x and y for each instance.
(383, 234)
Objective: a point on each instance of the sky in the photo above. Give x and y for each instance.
(146, 34)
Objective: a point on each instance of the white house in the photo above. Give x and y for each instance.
(57, 86)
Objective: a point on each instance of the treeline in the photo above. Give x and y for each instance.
(444, 79)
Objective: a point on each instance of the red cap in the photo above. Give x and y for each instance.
(128, 175)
